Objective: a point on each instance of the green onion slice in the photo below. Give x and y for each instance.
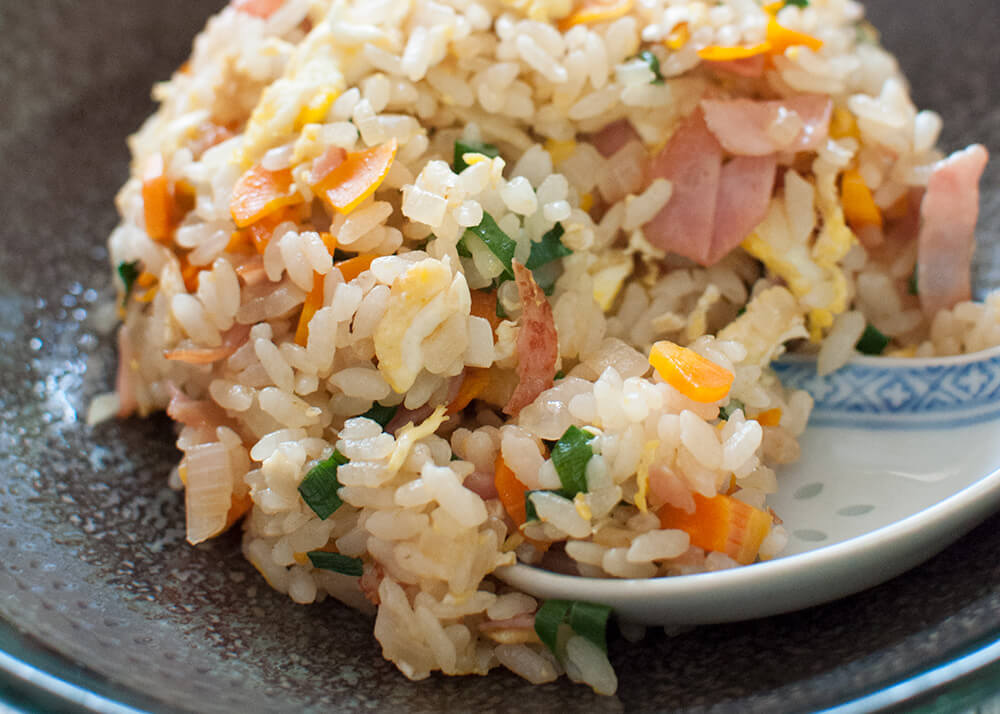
(654, 65)
(382, 415)
(336, 562)
(499, 243)
(797, 3)
(570, 456)
(590, 620)
(913, 287)
(549, 617)
(549, 248)
(319, 487)
(530, 512)
(872, 342)
(727, 411)
(463, 147)
(129, 272)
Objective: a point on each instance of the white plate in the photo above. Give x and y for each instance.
(901, 459)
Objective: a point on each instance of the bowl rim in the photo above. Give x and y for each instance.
(860, 360)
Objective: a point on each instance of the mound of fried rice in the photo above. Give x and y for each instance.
(431, 245)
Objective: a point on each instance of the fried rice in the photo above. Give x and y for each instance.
(431, 288)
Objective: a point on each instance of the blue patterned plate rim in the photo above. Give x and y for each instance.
(986, 355)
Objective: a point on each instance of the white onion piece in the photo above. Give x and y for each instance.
(208, 492)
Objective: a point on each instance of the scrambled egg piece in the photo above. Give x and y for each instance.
(410, 435)
(609, 277)
(420, 301)
(812, 272)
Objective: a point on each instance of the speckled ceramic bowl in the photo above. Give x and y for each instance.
(96, 582)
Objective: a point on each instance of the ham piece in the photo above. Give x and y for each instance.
(752, 67)
(612, 138)
(232, 340)
(714, 206)
(537, 343)
(947, 239)
(746, 127)
(692, 162)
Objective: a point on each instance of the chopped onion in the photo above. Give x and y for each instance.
(208, 492)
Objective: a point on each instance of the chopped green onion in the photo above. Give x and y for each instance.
(872, 342)
(654, 65)
(590, 621)
(559, 375)
(501, 310)
(129, 272)
(382, 415)
(499, 243)
(549, 617)
(530, 512)
(463, 147)
(797, 3)
(339, 255)
(727, 411)
(336, 562)
(462, 248)
(570, 456)
(319, 487)
(913, 287)
(546, 276)
(549, 248)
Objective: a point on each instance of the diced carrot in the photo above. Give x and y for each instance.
(510, 491)
(722, 524)
(678, 37)
(357, 177)
(484, 305)
(313, 302)
(157, 200)
(147, 296)
(859, 204)
(781, 38)
(146, 279)
(258, 8)
(771, 417)
(239, 507)
(689, 373)
(719, 53)
(260, 232)
(259, 192)
(329, 241)
(596, 11)
(190, 274)
(353, 267)
(241, 241)
(473, 384)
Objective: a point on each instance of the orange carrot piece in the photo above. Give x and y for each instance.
(771, 417)
(329, 241)
(860, 208)
(596, 11)
(241, 241)
(259, 192)
(328, 161)
(313, 302)
(510, 491)
(258, 8)
(357, 177)
(781, 38)
(484, 305)
(722, 524)
(190, 274)
(157, 200)
(473, 384)
(689, 373)
(353, 267)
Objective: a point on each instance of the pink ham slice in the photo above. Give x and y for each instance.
(692, 162)
(745, 190)
(190, 412)
(743, 126)
(537, 343)
(946, 239)
(747, 67)
(610, 140)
